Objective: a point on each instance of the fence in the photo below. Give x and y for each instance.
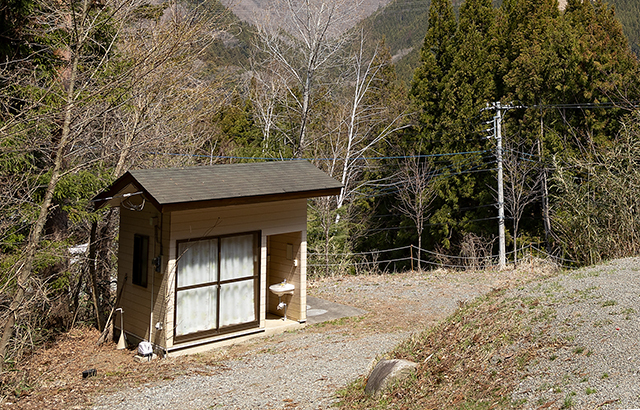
(412, 257)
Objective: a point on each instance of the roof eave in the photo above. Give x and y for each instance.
(214, 203)
(110, 196)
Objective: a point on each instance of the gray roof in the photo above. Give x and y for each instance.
(220, 185)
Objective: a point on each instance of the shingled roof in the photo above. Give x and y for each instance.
(220, 185)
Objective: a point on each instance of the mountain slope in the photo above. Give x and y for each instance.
(403, 24)
(250, 10)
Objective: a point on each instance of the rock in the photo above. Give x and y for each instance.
(388, 372)
(89, 373)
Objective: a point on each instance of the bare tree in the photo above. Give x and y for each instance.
(595, 205)
(416, 191)
(265, 91)
(368, 121)
(522, 184)
(304, 37)
(95, 92)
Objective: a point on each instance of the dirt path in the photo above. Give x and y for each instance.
(301, 369)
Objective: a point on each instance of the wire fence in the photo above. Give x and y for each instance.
(414, 258)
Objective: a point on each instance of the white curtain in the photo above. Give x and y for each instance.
(236, 257)
(237, 303)
(197, 262)
(236, 299)
(196, 309)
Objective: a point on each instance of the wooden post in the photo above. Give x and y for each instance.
(411, 251)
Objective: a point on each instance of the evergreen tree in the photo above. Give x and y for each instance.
(452, 85)
(435, 56)
(528, 52)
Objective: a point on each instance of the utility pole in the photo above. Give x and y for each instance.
(502, 252)
(497, 134)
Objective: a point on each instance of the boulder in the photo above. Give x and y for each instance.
(388, 372)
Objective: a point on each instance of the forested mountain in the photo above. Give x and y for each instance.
(89, 90)
(252, 10)
(404, 23)
(628, 13)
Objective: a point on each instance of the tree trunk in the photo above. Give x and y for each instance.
(93, 279)
(26, 270)
(419, 250)
(305, 116)
(545, 202)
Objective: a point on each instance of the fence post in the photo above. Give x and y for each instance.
(411, 250)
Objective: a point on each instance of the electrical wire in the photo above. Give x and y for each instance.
(448, 154)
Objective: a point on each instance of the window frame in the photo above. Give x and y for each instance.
(140, 265)
(218, 330)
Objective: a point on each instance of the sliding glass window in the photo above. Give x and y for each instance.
(217, 285)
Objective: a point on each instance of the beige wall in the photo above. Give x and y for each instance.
(282, 266)
(271, 218)
(136, 300)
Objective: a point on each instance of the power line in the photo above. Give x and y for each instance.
(461, 223)
(361, 158)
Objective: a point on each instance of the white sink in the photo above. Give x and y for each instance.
(281, 289)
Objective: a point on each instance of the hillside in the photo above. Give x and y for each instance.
(234, 48)
(566, 341)
(250, 10)
(628, 13)
(403, 24)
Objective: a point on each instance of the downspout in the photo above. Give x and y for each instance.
(160, 270)
(153, 273)
(164, 308)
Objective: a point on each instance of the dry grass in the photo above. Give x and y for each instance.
(472, 360)
(466, 349)
(51, 377)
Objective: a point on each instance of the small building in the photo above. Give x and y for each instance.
(200, 246)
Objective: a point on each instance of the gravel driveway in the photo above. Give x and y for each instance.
(303, 369)
(593, 315)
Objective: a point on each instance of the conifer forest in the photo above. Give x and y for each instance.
(405, 107)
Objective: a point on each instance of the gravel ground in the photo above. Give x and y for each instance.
(593, 314)
(304, 369)
(301, 371)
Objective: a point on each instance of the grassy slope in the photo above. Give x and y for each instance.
(500, 350)
(471, 360)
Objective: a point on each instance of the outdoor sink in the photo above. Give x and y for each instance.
(281, 289)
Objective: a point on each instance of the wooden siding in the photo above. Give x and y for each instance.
(271, 218)
(136, 300)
